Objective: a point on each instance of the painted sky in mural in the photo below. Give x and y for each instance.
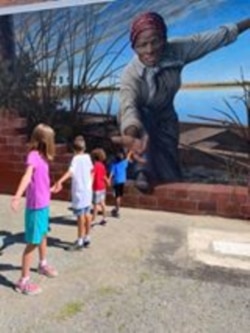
(183, 17)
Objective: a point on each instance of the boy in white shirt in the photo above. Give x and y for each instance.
(80, 172)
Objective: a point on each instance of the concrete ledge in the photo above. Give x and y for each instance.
(221, 200)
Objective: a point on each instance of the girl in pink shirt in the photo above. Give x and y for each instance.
(36, 183)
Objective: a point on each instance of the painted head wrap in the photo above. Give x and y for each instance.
(148, 20)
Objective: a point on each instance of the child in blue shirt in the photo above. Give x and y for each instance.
(118, 177)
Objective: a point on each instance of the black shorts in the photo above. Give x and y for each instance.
(118, 190)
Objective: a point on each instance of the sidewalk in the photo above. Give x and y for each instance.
(147, 272)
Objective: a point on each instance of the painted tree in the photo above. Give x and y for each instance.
(7, 42)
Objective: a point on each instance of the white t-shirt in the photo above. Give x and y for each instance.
(81, 182)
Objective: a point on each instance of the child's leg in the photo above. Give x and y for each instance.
(24, 286)
(104, 212)
(27, 259)
(87, 223)
(80, 226)
(36, 224)
(103, 207)
(117, 195)
(43, 251)
(118, 199)
(79, 243)
(95, 211)
(117, 203)
(84, 220)
(43, 267)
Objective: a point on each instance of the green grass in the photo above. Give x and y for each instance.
(70, 310)
(107, 291)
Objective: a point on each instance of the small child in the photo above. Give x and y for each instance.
(100, 182)
(36, 183)
(118, 176)
(80, 172)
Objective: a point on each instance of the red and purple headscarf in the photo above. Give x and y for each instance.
(148, 20)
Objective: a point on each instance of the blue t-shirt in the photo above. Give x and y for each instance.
(119, 171)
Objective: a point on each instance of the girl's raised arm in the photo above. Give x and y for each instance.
(25, 180)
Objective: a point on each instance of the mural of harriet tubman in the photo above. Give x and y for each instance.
(149, 83)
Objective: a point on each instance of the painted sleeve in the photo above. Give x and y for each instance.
(129, 100)
(198, 45)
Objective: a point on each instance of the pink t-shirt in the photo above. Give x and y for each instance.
(38, 191)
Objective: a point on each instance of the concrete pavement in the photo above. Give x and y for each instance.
(148, 271)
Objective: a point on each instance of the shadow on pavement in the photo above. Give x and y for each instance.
(3, 279)
(65, 220)
(5, 282)
(171, 257)
(8, 239)
(57, 242)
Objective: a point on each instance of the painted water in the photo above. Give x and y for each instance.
(197, 106)
(211, 104)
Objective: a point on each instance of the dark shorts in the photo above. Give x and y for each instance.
(118, 190)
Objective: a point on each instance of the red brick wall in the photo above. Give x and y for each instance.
(222, 200)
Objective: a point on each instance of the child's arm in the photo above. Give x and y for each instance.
(129, 156)
(57, 187)
(107, 180)
(92, 176)
(24, 182)
(110, 176)
(136, 157)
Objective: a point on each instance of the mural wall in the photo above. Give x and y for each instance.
(173, 87)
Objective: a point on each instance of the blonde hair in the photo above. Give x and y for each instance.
(98, 154)
(43, 140)
(79, 144)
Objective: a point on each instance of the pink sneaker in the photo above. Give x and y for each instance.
(48, 271)
(27, 288)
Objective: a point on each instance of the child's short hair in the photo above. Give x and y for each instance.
(79, 143)
(43, 140)
(120, 155)
(98, 154)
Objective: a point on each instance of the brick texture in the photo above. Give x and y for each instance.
(222, 200)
